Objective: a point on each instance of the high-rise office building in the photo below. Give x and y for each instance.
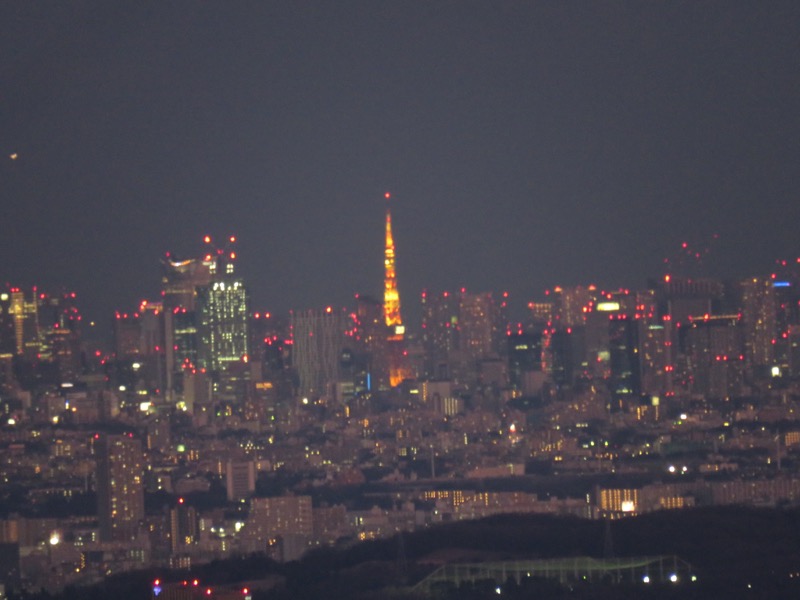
(180, 282)
(787, 315)
(205, 313)
(714, 348)
(181, 278)
(540, 316)
(8, 341)
(793, 350)
(524, 360)
(759, 320)
(46, 332)
(120, 490)
(127, 334)
(656, 357)
(459, 329)
(223, 315)
(565, 355)
(476, 324)
(369, 362)
(59, 332)
(440, 328)
(369, 330)
(682, 298)
(318, 338)
(139, 341)
(625, 366)
(26, 323)
(569, 304)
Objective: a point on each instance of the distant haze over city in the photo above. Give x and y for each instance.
(525, 144)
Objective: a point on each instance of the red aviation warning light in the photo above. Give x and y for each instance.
(387, 195)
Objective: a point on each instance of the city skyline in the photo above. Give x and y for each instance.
(279, 278)
(524, 146)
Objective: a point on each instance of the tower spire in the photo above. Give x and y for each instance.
(391, 297)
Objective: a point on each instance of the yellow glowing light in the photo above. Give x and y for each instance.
(607, 306)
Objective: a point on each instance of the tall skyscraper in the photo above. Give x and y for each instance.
(59, 332)
(682, 298)
(624, 359)
(120, 490)
(318, 339)
(26, 322)
(759, 319)
(524, 359)
(180, 280)
(205, 313)
(369, 333)
(127, 333)
(223, 316)
(8, 341)
(440, 327)
(476, 323)
(569, 304)
(714, 348)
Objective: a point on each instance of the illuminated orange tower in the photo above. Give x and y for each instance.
(391, 311)
(391, 297)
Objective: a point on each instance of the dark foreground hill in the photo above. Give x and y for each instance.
(736, 553)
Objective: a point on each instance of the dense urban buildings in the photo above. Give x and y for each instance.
(241, 426)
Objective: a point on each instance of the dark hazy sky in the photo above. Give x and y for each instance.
(526, 144)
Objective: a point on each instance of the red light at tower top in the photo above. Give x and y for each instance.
(387, 195)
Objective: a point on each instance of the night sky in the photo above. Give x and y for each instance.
(526, 144)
